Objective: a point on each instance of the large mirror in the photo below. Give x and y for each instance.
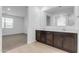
(60, 16)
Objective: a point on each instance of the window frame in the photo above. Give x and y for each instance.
(6, 23)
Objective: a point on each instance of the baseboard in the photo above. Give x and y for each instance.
(15, 34)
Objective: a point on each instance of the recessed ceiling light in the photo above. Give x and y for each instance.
(8, 9)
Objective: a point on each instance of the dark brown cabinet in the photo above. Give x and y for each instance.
(70, 42)
(38, 35)
(49, 38)
(58, 40)
(61, 40)
(43, 37)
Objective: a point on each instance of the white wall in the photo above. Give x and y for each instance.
(77, 23)
(26, 22)
(18, 26)
(35, 21)
(0, 29)
(30, 30)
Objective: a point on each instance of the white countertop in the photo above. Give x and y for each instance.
(59, 30)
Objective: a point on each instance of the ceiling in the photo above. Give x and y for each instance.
(22, 10)
(15, 10)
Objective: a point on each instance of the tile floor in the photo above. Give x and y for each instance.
(36, 47)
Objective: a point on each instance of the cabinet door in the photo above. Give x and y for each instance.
(38, 35)
(70, 42)
(49, 38)
(43, 36)
(58, 40)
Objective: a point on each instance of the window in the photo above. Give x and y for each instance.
(2, 22)
(7, 22)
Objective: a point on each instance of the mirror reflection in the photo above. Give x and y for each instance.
(60, 16)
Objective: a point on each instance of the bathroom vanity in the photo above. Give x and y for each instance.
(62, 40)
(60, 29)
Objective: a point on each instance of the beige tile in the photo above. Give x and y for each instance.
(36, 47)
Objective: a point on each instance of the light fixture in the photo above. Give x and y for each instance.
(8, 9)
